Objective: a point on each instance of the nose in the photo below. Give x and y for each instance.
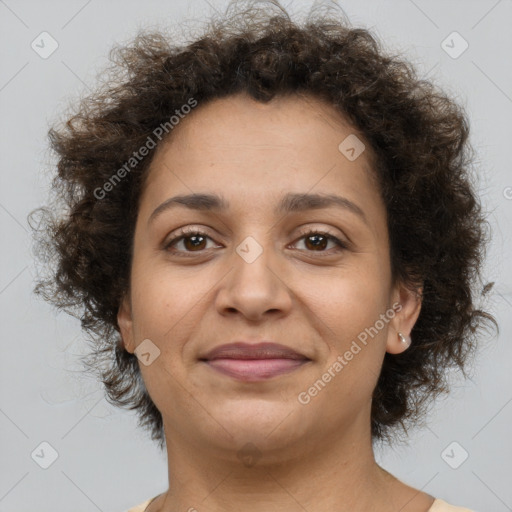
(255, 288)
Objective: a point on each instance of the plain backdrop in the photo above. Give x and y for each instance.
(99, 459)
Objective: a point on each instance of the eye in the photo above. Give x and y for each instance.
(194, 240)
(316, 240)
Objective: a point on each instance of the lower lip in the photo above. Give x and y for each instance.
(251, 370)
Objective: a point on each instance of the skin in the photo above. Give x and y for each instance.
(318, 456)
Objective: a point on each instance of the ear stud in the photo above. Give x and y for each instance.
(406, 340)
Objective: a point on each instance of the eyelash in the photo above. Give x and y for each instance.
(188, 232)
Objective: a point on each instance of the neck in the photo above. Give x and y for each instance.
(337, 472)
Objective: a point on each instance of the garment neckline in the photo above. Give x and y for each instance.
(151, 500)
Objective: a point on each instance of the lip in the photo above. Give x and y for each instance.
(251, 362)
(244, 350)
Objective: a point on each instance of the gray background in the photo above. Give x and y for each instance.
(104, 463)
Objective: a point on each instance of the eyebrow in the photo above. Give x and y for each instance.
(291, 202)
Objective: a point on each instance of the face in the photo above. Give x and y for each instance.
(312, 276)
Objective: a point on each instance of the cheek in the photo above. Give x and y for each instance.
(354, 301)
(352, 309)
(165, 310)
(163, 303)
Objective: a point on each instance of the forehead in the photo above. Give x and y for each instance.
(251, 152)
(238, 125)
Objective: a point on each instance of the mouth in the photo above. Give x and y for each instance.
(254, 362)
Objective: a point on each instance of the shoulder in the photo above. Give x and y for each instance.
(442, 506)
(141, 507)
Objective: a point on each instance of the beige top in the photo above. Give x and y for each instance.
(437, 506)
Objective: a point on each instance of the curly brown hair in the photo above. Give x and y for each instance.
(423, 162)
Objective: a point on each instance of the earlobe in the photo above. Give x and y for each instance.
(399, 332)
(124, 321)
(402, 343)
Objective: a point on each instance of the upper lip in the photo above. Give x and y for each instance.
(243, 350)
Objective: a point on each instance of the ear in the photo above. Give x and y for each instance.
(124, 320)
(407, 306)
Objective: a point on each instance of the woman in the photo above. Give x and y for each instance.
(273, 239)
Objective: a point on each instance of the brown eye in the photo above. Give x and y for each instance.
(194, 242)
(190, 241)
(317, 241)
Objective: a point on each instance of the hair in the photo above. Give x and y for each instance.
(423, 162)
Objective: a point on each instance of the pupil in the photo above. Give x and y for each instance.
(196, 243)
(315, 243)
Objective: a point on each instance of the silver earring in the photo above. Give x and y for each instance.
(404, 339)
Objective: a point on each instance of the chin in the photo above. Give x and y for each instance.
(268, 425)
